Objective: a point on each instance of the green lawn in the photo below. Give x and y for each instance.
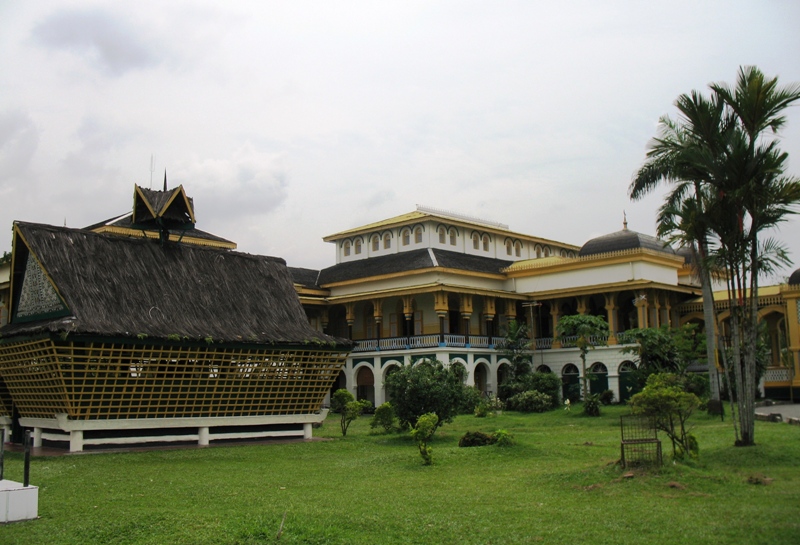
(559, 484)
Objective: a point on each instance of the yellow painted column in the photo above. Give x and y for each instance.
(611, 317)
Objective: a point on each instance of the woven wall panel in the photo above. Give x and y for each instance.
(118, 380)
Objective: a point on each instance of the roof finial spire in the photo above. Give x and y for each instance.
(624, 221)
(165, 179)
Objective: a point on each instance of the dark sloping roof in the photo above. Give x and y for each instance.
(472, 263)
(794, 279)
(409, 261)
(304, 277)
(125, 221)
(623, 240)
(114, 286)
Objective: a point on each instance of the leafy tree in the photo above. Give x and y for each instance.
(516, 347)
(426, 387)
(422, 433)
(722, 154)
(666, 400)
(590, 331)
(665, 349)
(343, 402)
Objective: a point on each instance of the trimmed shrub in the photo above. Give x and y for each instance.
(531, 401)
(502, 438)
(546, 383)
(383, 417)
(475, 439)
(591, 405)
(607, 397)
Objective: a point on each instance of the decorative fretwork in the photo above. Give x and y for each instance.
(107, 380)
(37, 296)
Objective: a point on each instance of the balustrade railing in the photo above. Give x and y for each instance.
(455, 340)
(474, 341)
(778, 374)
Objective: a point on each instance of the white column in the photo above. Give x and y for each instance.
(76, 441)
(307, 430)
(37, 437)
(202, 436)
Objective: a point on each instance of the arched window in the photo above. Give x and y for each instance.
(538, 252)
(376, 243)
(452, 237)
(358, 246)
(442, 235)
(563, 253)
(476, 241)
(518, 249)
(485, 243)
(406, 237)
(547, 251)
(346, 248)
(418, 235)
(387, 241)
(508, 247)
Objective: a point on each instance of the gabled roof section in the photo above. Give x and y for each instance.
(123, 226)
(410, 261)
(124, 287)
(170, 208)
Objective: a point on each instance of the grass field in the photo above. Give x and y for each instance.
(559, 484)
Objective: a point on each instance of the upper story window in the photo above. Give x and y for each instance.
(418, 235)
(508, 247)
(476, 241)
(376, 243)
(547, 251)
(518, 249)
(538, 251)
(387, 241)
(452, 237)
(358, 246)
(485, 243)
(346, 248)
(406, 237)
(442, 235)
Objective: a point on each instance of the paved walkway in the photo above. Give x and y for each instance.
(786, 411)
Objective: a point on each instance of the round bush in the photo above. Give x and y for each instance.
(531, 401)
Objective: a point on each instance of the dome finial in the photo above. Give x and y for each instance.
(624, 221)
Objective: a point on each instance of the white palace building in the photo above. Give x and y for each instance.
(435, 284)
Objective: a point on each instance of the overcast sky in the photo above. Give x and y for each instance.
(289, 121)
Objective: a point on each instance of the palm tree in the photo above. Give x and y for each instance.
(718, 152)
(684, 154)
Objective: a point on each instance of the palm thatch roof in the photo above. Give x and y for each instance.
(74, 281)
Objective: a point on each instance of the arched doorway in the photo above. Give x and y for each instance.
(570, 383)
(481, 378)
(365, 384)
(598, 378)
(628, 385)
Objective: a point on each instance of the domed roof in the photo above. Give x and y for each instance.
(623, 240)
(794, 279)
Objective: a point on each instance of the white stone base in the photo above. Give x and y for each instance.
(18, 502)
(63, 429)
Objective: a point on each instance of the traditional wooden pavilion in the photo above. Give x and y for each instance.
(122, 337)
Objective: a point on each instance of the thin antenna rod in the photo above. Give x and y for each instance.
(165, 179)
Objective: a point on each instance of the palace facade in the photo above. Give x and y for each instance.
(435, 284)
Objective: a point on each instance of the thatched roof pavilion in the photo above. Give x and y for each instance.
(111, 332)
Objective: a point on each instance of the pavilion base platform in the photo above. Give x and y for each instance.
(18, 502)
(5, 425)
(80, 434)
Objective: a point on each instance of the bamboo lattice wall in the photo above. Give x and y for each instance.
(112, 380)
